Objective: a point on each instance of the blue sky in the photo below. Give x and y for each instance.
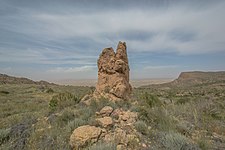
(62, 39)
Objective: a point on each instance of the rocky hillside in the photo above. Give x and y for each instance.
(194, 78)
(198, 77)
(5, 79)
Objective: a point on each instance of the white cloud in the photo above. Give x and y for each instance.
(46, 56)
(160, 67)
(70, 36)
(106, 28)
(208, 25)
(72, 69)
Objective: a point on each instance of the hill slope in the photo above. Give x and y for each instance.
(193, 78)
(198, 77)
(168, 116)
(5, 79)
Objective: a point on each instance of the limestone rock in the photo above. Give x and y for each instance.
(84, 135)
(105, 121)
(121, 147)
(87, 99)
(113, 74)
(121, 136)
(117, 112)
(129, 117)
(125, 117)
(106, 111)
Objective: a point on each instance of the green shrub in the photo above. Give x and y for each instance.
(62, 100)
(123, 104)
(97, 105)
(85, 114)
(144, 113)
(4, 135)
(76, 123)
(53, 104)
(182, 100)
(203, 144)
(172, 141)
(103, 146)
(158, 117)
(66, 116)
(49, 90)
(4, 92)
(141, 127)
(164, 121)
(20, 133)
(151, 100)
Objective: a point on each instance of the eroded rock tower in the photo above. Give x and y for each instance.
(113, 73)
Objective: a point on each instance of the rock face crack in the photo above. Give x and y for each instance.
(113, 73)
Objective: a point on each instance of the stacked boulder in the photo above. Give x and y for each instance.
(112, 125)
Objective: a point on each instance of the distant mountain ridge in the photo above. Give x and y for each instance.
(195, 78)
(6, 79)
(199, 77)
(184, 79)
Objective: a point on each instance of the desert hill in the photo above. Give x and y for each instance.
(198, 77)
(6, 79)
(194, 78)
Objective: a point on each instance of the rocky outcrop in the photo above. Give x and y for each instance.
(123, 131)
(116, 125)
(84, 135)
(113, 74)
(105, 121)
(105, 111)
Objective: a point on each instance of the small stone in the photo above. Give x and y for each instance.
(129, 117)
(121, 147)
(106, 111)
(116, 113)
(105, 121)
(121, 136)
(108, 137)
(84, 135)
(125, 117)
(128, 128)
(144, 145)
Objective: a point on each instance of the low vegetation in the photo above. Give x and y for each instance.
(169, 117)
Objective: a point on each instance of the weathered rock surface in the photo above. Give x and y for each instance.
(116, 125)
(105, 121)
(106, 111)
(113, 74)
(125, 117)
(84, 135)
(123, 130)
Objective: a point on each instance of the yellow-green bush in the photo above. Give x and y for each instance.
(63, 100)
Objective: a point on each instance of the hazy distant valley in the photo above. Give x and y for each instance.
(92, 82)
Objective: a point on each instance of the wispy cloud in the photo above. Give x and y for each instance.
(64, 35)
(160, 67)
(72, 69)
(172, 29)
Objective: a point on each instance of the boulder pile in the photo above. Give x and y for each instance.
(112, 125)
